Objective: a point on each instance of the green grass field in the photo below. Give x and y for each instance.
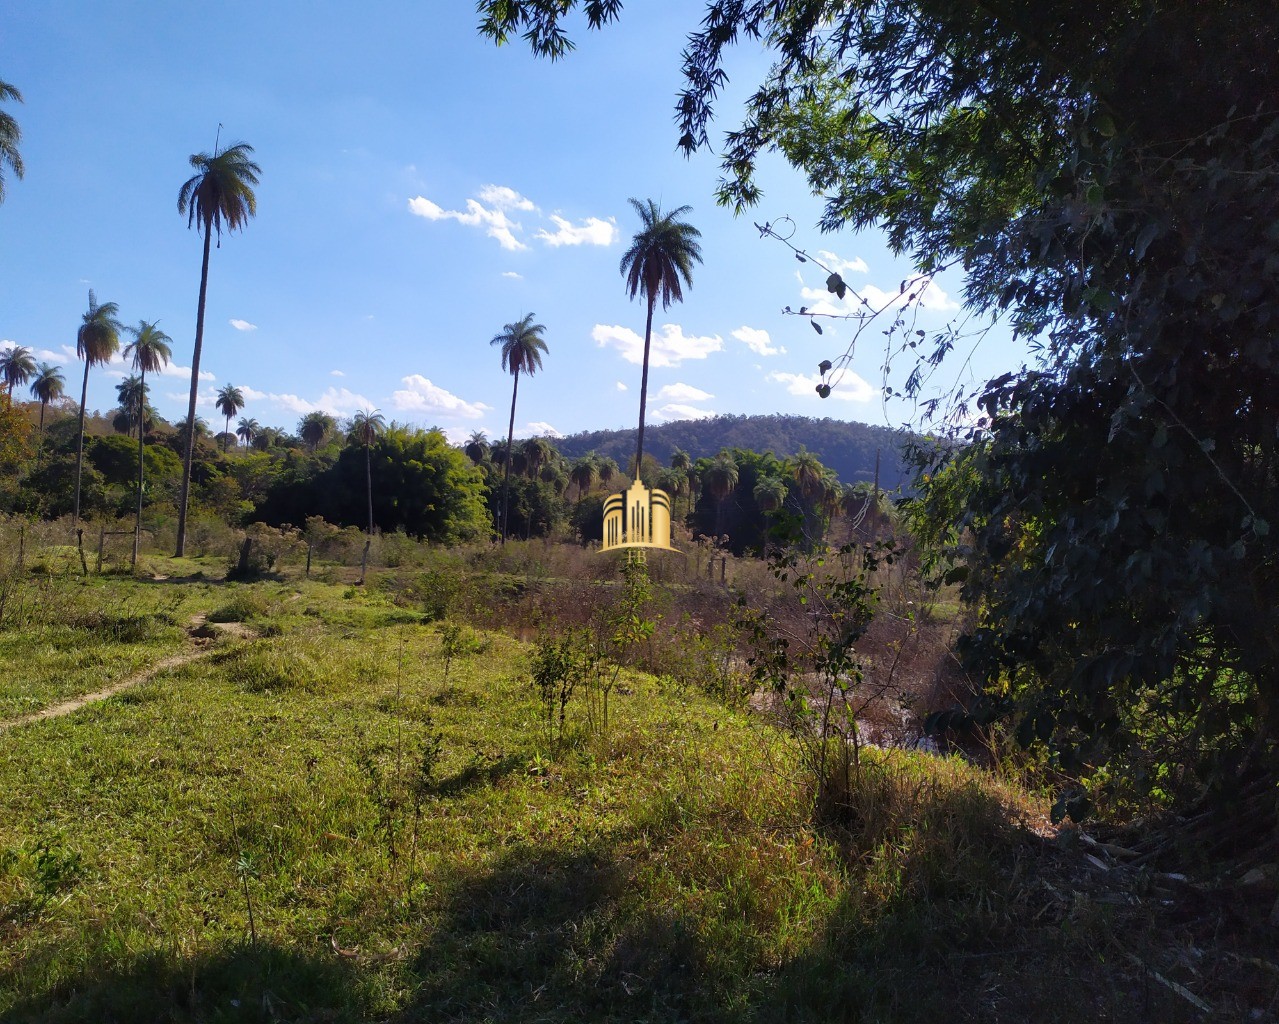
(308, 821)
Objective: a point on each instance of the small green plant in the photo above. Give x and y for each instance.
(558, 668)
(458, 641)
(815, 673)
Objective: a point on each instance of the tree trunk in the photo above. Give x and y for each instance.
(368, 477)
(648, 337)
(79, 452)
(137, 522)
(510, 445)
(195, 387)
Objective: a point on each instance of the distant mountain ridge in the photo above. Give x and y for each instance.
(847, 447)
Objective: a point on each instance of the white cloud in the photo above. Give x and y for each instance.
(856, 265)
(493, 220)
(174, 370)
(336, 373)
(670, 346)
(541, 429)
(591, 231)
(334, 401)
(512, 275)
(682, 393)
(421, 396)
(927, 294)
(677, 411)
(758, 341)
(620, 386)
(505, 198)
(849, 388)
(242, 325)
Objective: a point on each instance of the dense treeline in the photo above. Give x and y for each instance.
(848, 448)
(366, 474)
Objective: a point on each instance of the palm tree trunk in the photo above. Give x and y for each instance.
(79, 452)
(142, 414)
(368, 477)
(226, 435)
(510, 446)
(648, 337)
(195, 386)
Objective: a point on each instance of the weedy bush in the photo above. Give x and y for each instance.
(458, 641)
(31, 876)
(814, 673)
(262, 666)
(244, 605)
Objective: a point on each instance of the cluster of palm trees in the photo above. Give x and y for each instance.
(657, 265)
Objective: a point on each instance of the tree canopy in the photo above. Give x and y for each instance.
(1107, 176)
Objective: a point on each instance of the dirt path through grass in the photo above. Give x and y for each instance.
(201, 631)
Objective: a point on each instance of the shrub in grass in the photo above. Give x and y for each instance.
(267, 666)
(243, 606)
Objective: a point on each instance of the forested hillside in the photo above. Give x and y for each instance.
(846, 447)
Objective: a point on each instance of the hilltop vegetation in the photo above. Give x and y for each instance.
(847, 448)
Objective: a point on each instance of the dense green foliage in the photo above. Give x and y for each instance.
(848, 448)
(1107, 174)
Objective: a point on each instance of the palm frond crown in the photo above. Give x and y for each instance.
(522, 346)
(98, 338)
(151, 349)
(659, 262)
(220, 193)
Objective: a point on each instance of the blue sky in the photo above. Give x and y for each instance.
(420, 189)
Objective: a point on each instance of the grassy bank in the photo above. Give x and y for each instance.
(311, 821)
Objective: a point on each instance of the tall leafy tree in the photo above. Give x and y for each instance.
(366, 426)
(16, 367)
(229, 402)
(97, 340)
(522, 347)
(1115, 499)
(150, 351)
(10, 137)
(658, 264)
(315, 426)
(48, 386)
(218, 195)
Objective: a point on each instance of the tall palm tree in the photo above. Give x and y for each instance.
(229, 402)
(769, 495)
(366, 425)
(314, 427)
(219, 194)
(682, 462)
(247, 430)
(48, 386)
(151, 349)
(584, 472)
(16, 367)
(477, 447)
(97, 340)
(720, 479)
(10, 136)
(537, 452)
(132, 396)
(659, 263)
(522, 347)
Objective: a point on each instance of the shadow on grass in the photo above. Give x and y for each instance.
(477, 775)
(548, 936)
(242, 983)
